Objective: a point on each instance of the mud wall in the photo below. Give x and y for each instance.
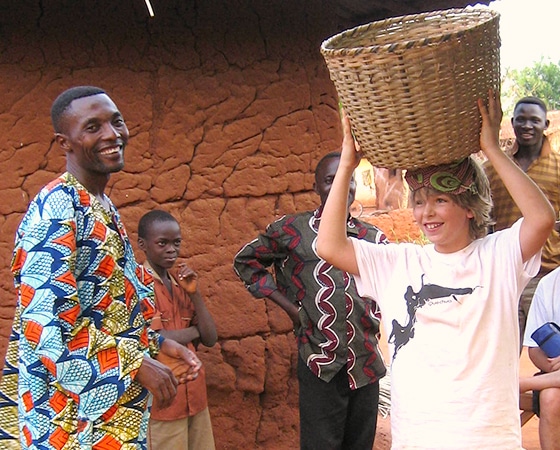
(229, 106)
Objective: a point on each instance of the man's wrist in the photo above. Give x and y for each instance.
(160, 340)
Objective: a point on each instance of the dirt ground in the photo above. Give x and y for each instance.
(530, 430)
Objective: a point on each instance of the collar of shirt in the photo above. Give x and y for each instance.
(546, 148)
(155, 275)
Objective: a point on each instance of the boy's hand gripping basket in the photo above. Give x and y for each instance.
(410, 84)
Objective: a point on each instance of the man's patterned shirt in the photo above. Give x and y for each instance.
(80, 329)
(339, 328)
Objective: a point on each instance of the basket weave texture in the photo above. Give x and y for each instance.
(410, 84)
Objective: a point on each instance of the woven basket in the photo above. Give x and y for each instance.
(410, 84)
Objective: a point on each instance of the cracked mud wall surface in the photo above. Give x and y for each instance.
(229, 106)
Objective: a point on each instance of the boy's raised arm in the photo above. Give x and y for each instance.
(188, 279)
(538, 215)
(332, 243)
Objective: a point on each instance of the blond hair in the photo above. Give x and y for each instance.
(476, 199)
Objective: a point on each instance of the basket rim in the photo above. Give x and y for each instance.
(328, 50)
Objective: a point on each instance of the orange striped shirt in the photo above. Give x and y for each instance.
(545, 172)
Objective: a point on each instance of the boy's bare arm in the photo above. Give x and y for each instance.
(182, 336)
(206, 327)
(538, 215)
(332, 243)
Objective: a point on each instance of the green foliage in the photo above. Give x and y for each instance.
(541, 80)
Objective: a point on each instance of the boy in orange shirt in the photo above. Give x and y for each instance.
(181, 315)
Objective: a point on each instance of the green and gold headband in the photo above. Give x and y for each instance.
(454, 178)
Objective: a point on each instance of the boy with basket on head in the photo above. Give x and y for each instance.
(181, 315)
(450, 308)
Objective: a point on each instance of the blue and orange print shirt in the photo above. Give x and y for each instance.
(80, 330)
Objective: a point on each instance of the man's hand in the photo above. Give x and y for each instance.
(159, 380)
(183, 363)
(291, 309)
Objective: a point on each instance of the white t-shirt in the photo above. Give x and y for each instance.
(452, 320)
(545, 306)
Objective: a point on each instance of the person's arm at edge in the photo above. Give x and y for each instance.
(332, 243)
(540, 382)
(538, 215)
(541, 361)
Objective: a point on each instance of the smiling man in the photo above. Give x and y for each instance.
(533, 153)
(80, 363)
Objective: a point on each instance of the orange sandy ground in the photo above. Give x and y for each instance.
(530, 430)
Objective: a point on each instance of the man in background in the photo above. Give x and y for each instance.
(533, 153)
(339, 364)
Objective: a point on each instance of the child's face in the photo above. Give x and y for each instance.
(443, 221)
(162, 244)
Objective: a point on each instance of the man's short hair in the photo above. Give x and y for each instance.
(147, 220)
(532, 101)
(62, 102)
